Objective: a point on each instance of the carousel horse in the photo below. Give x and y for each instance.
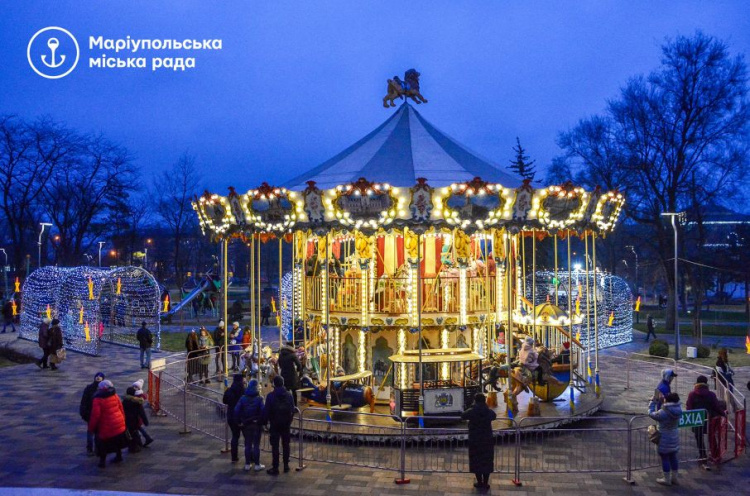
(408, 88)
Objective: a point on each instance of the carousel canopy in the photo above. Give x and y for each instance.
(405, 147)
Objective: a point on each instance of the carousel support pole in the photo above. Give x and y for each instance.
(224, 297)
(294, 290)
(589, 375)
(259, 306)
(251, 290)
(555, 281)
(281, 295)
(570, 328)
(596, 319)
(419, 326)
(327, 327)
(509, 300)
(533, 282)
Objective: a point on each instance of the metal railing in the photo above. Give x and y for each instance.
(614, 444)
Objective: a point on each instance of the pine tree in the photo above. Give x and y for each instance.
(522, 166)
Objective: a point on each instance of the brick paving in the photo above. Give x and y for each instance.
(43, 446)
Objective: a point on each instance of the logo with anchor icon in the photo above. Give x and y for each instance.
(53, 52)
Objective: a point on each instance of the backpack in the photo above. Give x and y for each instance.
(282, 411)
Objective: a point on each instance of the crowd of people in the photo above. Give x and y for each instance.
(114, 423)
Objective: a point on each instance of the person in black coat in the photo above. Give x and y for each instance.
(290, 369)
(481, 442)
(231, 396)
(135, 416)
(145, 340)
(43, 339)
(87, 401)
(54, 340)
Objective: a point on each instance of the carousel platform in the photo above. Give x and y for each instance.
(362, 426)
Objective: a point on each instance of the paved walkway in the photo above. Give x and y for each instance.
(43, 443)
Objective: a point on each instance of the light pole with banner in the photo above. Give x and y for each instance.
(637, 288)
(101, 243)
(5, 272)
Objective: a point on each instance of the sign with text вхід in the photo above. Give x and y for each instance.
(693, 418)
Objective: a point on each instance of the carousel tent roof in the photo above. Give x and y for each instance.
(399, 151)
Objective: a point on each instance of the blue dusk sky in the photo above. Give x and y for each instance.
(297, 82)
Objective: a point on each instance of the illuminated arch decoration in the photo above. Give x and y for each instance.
(365, 205)
(272, 209)
(607, 210)
(560, 207)
(92, 304)
(613, 296)
(475, 204)
(214, 214)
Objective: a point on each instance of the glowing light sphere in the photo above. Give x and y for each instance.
(109, 316)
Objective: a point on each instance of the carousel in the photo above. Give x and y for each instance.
(410, 285)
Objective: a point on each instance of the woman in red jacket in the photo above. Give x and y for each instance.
(108, 423)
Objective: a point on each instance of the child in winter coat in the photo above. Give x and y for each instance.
(668, 417)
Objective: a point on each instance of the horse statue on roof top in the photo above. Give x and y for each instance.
(409, 88)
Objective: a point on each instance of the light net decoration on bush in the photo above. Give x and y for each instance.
(92, 305)
(610, 294)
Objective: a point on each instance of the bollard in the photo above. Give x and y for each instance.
(403, 480)
(627, 372)
(301, 437)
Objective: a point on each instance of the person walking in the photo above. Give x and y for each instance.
(191, 349)
(668, 419)
(43, 339)
(55, 344)
(8, 316)
(145, 340)
(662, 390)
(703, 398)
(219, 334)
(290, 369)
(249, 413)
(231, 397)
(107, 422)
(265, 313)
(278, 412)
(650, 327)
(481, 442)
(205, 343)
(726, 373)
(87, 400)
(135, 417)
(138, 386)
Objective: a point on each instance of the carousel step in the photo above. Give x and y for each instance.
(343, 406)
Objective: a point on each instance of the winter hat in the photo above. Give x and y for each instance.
(221, 323)
(529, 340)
(702, 379)
(47, 320)
(480, 398)
(236, 324)
(106, 384)
(130, 391)
(566, 345)
(252, 387)
(138, 384)
(139, 392)
(668, 373)
(55, 322)
(278, 381)
(237, 378)
(99, 377)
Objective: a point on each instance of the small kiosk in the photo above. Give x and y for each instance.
(450, 378)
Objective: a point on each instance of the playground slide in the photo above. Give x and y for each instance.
(187, 299)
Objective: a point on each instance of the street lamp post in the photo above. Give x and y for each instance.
(43, 224)
(637, 288)
(101, 243)
(675, 216)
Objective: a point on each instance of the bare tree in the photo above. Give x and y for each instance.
(174, 190)
(675, 140)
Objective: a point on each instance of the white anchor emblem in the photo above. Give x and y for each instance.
(53, 43)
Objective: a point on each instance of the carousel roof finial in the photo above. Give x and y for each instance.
(408, 87)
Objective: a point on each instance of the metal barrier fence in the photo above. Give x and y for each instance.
(551, 445)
